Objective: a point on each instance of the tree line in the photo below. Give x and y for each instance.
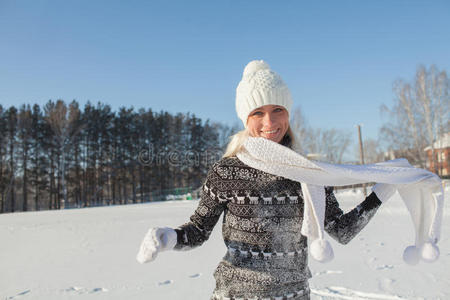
(62, 156)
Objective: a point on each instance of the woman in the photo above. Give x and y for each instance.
(267, 256)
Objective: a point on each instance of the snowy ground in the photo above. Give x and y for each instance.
(90, 254)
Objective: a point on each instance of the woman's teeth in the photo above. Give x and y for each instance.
(271, 131)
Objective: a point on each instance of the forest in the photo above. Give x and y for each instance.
(62, 156)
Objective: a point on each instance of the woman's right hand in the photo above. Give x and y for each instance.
(156, 240)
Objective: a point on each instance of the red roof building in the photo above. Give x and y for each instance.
(441, 154)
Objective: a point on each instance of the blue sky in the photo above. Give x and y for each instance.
(339, 58)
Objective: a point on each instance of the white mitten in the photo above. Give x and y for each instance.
(156, 240)
(384, 191)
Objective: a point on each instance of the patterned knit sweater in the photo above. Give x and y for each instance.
(267, 256)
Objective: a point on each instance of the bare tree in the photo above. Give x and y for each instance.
(321, 144)
(372, 151)
(420, 114)
(334, 144)
(65, 124)
(224, 133)
(404, 130)
(431, 86)
(301, 129)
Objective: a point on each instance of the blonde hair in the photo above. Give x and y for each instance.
(237, 140)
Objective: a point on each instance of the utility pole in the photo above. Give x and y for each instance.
(361, 155)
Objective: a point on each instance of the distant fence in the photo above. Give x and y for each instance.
(182, 193)
(185, 193)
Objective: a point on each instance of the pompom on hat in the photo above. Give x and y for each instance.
(260, 86)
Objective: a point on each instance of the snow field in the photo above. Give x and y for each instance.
(90, 254)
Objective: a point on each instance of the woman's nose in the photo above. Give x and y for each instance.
(268, 119)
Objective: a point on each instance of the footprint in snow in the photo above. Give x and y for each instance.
(165, 282)
(83, 290)
(20, 294)
(75, 289)
(95, 290)
(197, 275)
(384, 267)
(24, 292)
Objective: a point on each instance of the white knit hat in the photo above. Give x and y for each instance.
(260, 86)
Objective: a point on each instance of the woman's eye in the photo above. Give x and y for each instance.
(257, 113)
(278, 109)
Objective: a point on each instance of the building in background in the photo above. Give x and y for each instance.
(442, 156)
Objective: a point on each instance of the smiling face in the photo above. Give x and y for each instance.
(268, 121)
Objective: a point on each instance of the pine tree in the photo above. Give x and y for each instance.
(38, 161)
(11, 116)
(3, 178)
(25, 143)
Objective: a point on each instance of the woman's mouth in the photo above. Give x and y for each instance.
(270, 131)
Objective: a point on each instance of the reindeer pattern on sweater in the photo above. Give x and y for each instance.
(266, 256)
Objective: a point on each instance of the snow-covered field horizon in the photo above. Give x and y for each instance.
(90, 254)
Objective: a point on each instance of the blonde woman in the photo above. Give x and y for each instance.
(267, 255)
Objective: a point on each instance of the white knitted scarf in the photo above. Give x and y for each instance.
(421, 191)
